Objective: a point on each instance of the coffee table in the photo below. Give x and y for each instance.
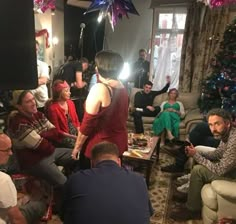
(146, 161)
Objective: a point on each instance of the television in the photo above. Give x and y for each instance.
(18, 63)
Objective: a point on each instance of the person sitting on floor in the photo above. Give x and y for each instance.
(214, 165)
(168, 120)
(143, 104)
(97, 196)
(33, 136)
(61, 111)
(9, 211)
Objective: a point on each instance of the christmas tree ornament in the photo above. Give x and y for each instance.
(220, 86)
(114, 10)
(42, 5)
(219, 3)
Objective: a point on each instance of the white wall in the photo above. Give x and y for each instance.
(58, 31)
(131, 34)
(55, 27)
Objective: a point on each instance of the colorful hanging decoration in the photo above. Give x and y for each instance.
(113, 9)
(43, 5)
(46, 34)
(217, 3)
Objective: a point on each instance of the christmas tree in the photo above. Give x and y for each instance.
(219, 89)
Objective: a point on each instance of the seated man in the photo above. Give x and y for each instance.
(107, 193)
(213, 165)
(33, 136)
(143, 103)
(9, 211)
(199, 135)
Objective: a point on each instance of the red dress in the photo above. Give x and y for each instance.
(108, 125)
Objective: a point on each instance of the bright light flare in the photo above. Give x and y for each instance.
(125, 73)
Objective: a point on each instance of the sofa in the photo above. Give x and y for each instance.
(190, 102)
(219, 201)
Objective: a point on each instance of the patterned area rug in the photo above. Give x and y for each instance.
(161, 190)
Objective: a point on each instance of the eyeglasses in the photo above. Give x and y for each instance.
(6, 150)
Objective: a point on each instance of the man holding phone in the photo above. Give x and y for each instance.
(199, 135)
(212, 165)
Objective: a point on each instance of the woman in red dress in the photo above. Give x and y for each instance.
(106, 109)
(62, 113)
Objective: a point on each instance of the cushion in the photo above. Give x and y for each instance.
(189, 100)
(132, 94)
(209, 197)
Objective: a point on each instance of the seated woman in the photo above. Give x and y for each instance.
(169, 118)
(61, 111)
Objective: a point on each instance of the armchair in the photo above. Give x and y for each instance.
(219, 201)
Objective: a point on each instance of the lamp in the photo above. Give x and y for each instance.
(55, 41)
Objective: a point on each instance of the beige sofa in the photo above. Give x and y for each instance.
(190, 102)
(219, 201)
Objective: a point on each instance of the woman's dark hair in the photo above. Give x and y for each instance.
(109, 64)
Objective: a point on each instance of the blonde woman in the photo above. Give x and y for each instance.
(169, 118)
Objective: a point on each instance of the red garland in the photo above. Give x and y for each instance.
(43, 32)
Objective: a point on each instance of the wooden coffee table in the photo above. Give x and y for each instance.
(146, 161)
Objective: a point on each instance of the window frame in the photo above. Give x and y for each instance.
(155, 29)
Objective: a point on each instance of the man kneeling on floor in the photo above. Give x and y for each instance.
(107, 193)
(9, 211)
(214, 165)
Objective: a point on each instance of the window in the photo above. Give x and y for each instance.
(168, 30)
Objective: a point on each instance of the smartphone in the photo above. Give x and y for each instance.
(186, 143)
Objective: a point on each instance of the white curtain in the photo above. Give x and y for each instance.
(168, 56)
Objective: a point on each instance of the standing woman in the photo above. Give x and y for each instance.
(169, 118)
(62, 113)
(106, 109)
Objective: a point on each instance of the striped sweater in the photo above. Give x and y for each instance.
(32, 138)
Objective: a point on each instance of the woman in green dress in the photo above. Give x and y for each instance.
(169, 118)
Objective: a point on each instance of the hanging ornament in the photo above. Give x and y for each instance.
(42, 5)
(218, 3)
(113, 9)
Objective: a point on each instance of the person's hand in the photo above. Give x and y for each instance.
(168, 79)
(170, 109)
(190, 150)
(75, 154)
(151, 108)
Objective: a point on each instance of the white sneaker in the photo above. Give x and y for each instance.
(183, 179)
(184, 188)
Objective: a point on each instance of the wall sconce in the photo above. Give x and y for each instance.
(55, 41)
